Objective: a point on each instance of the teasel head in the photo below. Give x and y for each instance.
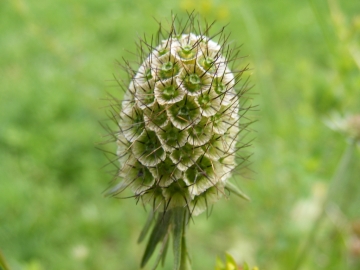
(181, 128)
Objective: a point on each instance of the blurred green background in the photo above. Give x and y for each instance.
(57, 60)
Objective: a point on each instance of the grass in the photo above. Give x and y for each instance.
(57, 59)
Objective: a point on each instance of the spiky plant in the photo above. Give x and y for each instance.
(179, 126)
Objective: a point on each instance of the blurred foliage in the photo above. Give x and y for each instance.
(230, 264)
(3, 264)
(57, 59)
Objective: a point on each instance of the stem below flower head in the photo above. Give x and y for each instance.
(172, 222)
(333, 187)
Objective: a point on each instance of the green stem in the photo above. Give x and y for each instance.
(334, 184)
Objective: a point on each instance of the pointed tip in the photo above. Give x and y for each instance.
(232, 188)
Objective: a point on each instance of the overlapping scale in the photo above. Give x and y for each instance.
(179, 125)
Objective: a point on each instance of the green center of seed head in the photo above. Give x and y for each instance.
(184, 111)
(194, 79)
(138, 119)
(167, 66)
(158, 117)
(161, 118)
(187, 49)
(208, 62)
(198, 130)
(203, 169)
(165, 169)
(186, 52)
(150, 146)
(148, 75)
(169, 91)
(172, 135)
(141, 172)
(163, 51)
(219, 86)
(193, 174)
(149, 98)
(192, 82)
(145, 175)
(216, 119)
(168, 70)
(204, 99)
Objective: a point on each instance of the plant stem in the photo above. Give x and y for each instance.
(333, 187)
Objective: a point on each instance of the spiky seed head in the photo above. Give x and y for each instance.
(180, 120)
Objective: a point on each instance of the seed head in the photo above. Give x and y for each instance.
(181, 119)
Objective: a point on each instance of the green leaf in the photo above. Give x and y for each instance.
(219, 264)
(146, 227)
(246, 266)
(230, 262)
(179, 219)
(232, 188)
(185, 259)
(162, 253)
(157, 235)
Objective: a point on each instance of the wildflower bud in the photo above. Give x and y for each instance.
(180, 123)
(349, 125)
